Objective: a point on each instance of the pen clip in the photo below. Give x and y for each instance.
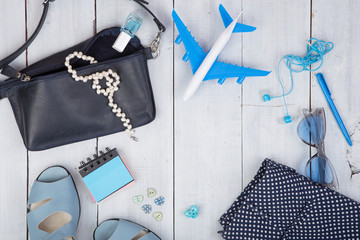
(322, 82)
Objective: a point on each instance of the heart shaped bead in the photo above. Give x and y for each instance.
(158, 216)
(138, 199)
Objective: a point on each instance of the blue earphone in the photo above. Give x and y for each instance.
(315, 53)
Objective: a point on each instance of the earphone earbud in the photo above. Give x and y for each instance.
(287, 119)
(267, 98)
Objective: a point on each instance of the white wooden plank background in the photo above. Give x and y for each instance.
(206, 150)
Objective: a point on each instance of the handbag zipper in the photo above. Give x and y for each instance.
(4, 86)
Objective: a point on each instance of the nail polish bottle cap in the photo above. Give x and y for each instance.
(128, 31)
(122, 41)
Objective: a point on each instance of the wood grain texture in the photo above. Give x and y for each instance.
(151, 159)
(334, 21)
(207, 128)
(282, 28)
(68, 23)
(13, 170)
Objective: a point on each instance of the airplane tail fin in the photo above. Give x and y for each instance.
(228, 20)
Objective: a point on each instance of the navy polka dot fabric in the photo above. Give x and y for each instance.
(281, 204)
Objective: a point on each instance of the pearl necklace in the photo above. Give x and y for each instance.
(112, 82)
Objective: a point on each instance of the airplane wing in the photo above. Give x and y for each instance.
(194, 52)
(222, 71)
(227, 19)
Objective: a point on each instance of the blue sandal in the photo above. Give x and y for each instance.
(119, 229)
(53, 207)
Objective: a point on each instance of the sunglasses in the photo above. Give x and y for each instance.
(312, 131)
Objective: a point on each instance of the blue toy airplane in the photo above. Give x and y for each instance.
(219, 70)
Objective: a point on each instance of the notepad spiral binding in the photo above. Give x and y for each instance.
(99, 160)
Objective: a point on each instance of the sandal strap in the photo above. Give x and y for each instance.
(149, 236)
(126, 230)
(62, 233)
(52, 190)
(63, 197)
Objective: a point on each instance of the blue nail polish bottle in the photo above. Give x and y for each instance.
(128, 31)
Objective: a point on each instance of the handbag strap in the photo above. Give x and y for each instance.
(156, 20)
(4, 64)
(155, 44)
(12, 73)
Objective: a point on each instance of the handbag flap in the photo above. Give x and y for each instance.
(99, 46)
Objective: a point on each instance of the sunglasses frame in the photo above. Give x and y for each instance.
(320, 146)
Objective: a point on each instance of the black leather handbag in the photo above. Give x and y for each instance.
(51, 109)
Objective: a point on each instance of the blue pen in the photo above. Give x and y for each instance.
(327, 94)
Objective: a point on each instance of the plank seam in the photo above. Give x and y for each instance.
(27, 152)
(174, 171)
(95, 17)
(242, 106)
(310, 78)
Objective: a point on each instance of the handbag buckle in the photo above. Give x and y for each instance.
(23, 77)
(155, 45)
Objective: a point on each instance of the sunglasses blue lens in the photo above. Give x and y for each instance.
(319, 170)
(311, 129)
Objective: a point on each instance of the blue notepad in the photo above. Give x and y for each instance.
(105, 174)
